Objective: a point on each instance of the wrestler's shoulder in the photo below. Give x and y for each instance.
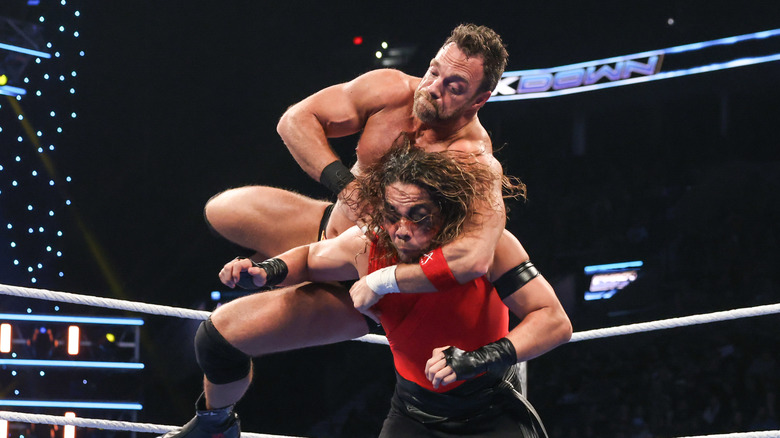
(480, 148)
(391, 75)
(477, 144)
(389, 82)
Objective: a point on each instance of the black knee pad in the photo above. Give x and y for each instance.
(221, 362)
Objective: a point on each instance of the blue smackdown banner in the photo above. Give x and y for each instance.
(754, 48)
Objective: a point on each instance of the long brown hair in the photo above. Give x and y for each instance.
(456, 182)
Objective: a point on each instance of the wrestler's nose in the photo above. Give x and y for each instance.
(402, 232)
(433, 88)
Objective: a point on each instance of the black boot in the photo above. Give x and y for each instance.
(209, 423)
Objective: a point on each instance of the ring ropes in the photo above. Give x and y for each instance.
(156, 309)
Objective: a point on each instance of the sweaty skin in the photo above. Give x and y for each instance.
(379, 105)
(440, 108)
(544, 323)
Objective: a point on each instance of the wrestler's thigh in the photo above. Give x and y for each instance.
(266, 219)
(290, 318)
(339, 220)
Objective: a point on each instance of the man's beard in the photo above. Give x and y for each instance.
(412, 258)
(430, 113)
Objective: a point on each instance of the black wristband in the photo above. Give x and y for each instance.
(514, 279)
(335, 176)
(275, 270)
(494, 358)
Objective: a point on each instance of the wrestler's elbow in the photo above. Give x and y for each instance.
(553, 331)
(480, 264)
(470, 265)
(286, 122)
(561, 327)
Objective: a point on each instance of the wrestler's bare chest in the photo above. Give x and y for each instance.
(380, 131)
(383, 129)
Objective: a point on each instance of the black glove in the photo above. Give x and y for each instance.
(494, 358)
(245, 281)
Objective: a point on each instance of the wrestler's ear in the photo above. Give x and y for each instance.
(481, 98)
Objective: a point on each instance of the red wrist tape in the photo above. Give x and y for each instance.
(435, 267)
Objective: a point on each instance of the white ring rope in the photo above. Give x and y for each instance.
(160, 429)
(156, 309)
(110, 303)
(676, 322)
(133, 306)
(105, 424)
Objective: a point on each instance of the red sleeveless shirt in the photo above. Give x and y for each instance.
(468, 317)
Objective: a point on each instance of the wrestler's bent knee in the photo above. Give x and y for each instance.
(238, 249)
(221, 362)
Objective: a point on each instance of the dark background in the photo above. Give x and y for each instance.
(179, 100)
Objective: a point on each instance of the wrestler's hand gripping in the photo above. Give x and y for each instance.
(449, 364)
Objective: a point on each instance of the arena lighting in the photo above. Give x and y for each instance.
(71, 364)
(71, 319)
(41, 54)
(73, 340)
(25, 51)
(7, 90)
(618, 71)
(69, 431)
(71, 404)
(5, 339)
(607, 280)
(613, 266)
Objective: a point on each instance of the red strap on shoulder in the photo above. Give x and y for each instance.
(435, 267)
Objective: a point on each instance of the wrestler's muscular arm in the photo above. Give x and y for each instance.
(471, 254)
(337, 111)
(342, 258)
(544, 324)
(344, 109)
(468, 257)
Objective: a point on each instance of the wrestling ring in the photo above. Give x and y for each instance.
(153, 309)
